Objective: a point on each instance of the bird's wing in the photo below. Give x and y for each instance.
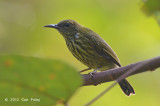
(105, 50)
(101, 46)
(110, 55)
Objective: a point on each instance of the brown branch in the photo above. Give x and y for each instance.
(130, 71)
(113, 74)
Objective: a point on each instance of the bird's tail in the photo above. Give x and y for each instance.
(126, 87)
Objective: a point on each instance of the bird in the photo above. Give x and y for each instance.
(90, 49)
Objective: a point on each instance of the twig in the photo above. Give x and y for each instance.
(101, 94)
(113, 74)
(129, 72)
(84, 70)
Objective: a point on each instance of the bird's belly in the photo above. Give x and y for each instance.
(89, 57)
(93, 61)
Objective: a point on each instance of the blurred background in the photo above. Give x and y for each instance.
(133, 36)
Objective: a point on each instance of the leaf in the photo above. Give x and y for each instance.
(152, 8)
(29, 78)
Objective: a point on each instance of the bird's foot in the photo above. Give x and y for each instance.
(92, 73)
(92, 76)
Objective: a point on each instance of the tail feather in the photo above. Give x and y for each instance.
(126, 87)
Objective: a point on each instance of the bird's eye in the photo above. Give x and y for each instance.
(67, 24)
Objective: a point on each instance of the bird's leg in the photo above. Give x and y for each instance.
(94, 71)
(85, 70)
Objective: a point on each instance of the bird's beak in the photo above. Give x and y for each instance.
(52, 26)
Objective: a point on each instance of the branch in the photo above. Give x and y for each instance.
(113, 74)
(129, 72)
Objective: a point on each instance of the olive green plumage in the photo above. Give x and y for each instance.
(89, 48)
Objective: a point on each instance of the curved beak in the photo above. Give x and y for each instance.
(52, 26)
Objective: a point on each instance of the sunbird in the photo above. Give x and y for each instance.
(90, 49)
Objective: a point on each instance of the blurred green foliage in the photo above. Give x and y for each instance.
(132, 35)
(49, 81)
(152, 7)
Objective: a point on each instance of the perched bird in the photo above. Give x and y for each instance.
(90, 49)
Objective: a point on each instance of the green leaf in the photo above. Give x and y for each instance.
(152, 8)
(30, 78)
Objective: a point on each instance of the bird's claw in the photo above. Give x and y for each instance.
(92, 75)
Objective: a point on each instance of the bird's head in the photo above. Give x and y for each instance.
(66, 27)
